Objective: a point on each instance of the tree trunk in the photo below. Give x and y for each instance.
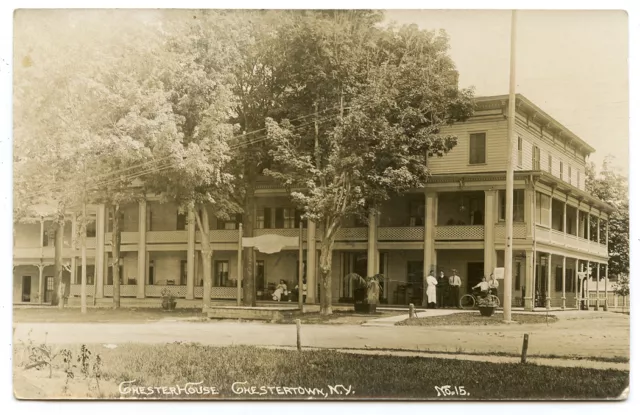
(326, 256)
(206, 251)
(248, 254)
(115, 253)
(57, 296)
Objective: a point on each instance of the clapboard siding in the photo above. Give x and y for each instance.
(457, 160)
(531, 136)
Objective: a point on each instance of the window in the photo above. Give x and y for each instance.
(516, 285)
(543, 205)
(519, 151)
(267, 218)
(550, 166)
(230, 224)
(110, 221)
(91, 229)
(561, 171)
(578, 179)
(518, 205)
(557, 215)
(569, 173)
(181, 222)
(416, 213)
(559, 278)
(570, 285)
(91, 269)
(535, 162)
(183, 272)
(477, 148)
(279, 220)
(221, 277)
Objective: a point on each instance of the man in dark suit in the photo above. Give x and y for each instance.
(442, 290)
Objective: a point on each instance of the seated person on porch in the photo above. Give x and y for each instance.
(482, 288)
(281, 289)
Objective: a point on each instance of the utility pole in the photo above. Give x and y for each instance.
(508, 251)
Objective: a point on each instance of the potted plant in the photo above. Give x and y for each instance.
(487, 305)
(168, 299)
(367, 293)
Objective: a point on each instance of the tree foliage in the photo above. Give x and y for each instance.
(613, 188)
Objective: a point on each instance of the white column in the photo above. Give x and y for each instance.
(564, 278)
(100, 262)
(489, 235)
(606, 288)
(549, 290)
(529, 289)
(597, 286)
(191, 250)
(41, 287)
(372, 245)
(311, 262)
(430, 207)
(142, 248)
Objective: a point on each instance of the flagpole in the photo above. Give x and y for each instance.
(239, 293)
(300, 268)
(508, 252)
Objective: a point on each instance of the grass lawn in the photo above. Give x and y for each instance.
(241, 372)
(475, 319)
(100, 315)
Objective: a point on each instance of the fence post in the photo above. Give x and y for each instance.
(411, 311)
(525, 346)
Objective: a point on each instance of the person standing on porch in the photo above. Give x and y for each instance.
(454, 283)
(432, 282)
(442, 290)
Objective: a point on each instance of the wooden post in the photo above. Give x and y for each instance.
(411, 311)
(300, 268)
(525, 346)
(239, 286)
(298, 342)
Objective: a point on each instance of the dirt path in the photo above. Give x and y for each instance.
(586, 334)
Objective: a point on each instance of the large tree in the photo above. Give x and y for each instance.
(394, 89)
(612, 187)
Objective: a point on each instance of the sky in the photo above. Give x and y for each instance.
(572, 64)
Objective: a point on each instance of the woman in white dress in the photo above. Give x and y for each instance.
(432, 282)
(281, 289)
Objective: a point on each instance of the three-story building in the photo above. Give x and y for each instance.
(456, 222)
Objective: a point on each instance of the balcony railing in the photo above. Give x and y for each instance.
(402, 233)
(519, 231)
(179, 291)
(352, 234)
(552, 236)
(460, 232)
(160, 237)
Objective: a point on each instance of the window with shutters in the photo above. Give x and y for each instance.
(569, 174)
(518, 205)
(559, 278)
(561, 171)
(183, 272)
(478, 148)
(519, 151)
(550, 165)
(535, 162)
(221, 277)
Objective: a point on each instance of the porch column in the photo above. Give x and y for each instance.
(191, 250)
(606, 288)
(372, 245)
(564, 278)
(598, 287)
(41, 287)
(430, 207)
(528, 278)
(588, 280)
(100, 254)
(142, 248)
(74, 238)
(311, 262)
(548, 296)
(489, 234)
(564, 218)
(577, 282)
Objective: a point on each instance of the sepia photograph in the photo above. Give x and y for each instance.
(320, 205)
